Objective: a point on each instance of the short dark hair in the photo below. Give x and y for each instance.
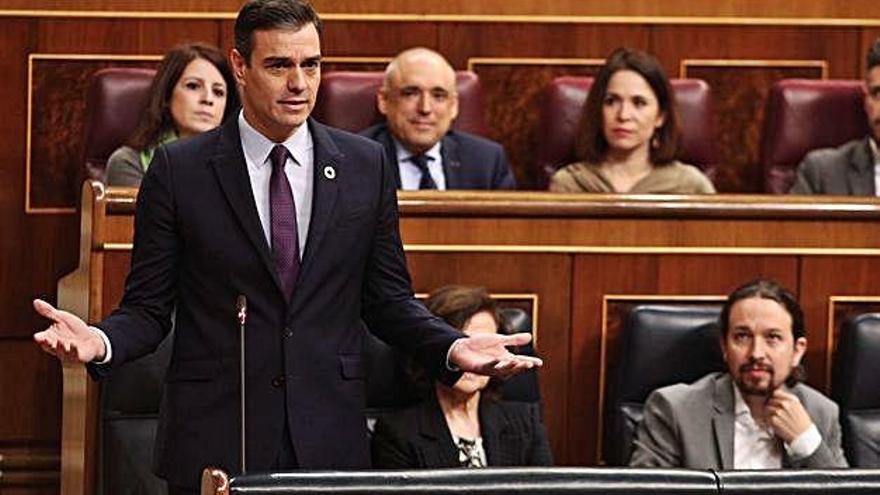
(271, 14)
(765, 289)
(157, 119)
(591, 145)
(873, 58)
(455, 304)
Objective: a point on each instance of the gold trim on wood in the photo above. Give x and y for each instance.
(685, 63)
(829, 339)
(603, 345)
(589, 62)
(466, 18)
(28, 209)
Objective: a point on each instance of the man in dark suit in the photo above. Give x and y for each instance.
(299, 219)
(419, 100)
(850, 169)
(754, 416)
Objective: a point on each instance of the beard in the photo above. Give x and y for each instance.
(746, 387)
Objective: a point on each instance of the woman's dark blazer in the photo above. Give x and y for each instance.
(418, 437)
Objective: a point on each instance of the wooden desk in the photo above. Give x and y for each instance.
(578, 262)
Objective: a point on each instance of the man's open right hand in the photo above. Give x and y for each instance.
(68, 338)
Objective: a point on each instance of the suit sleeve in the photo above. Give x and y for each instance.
(807, 180)
(829, 454)
(390, 309)
(143, 317)
(539, 452)
(656, 443)
(502, 176)
(390, 450)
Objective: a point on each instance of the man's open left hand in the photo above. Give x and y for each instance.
(487, 354)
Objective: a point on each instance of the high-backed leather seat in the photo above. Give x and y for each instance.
(856, 388)
(563, 100)
(488, 481)
(660, 345)
(115, 102)
(347, 100)
(803, 115)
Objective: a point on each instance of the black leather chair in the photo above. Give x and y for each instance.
(856, 388)
(494, 481)
(129, 411)
(660, 345)
(800, 482)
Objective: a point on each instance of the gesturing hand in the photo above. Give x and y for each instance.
(68, 337)
(787, 416)
(486, 354)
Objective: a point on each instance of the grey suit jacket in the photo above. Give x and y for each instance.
(691, 426)
(847, 170)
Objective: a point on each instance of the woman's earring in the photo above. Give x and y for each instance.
(655, 141)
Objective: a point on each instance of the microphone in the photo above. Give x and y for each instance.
(241, 306)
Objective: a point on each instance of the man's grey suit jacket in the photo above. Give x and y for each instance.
(847, 170)
(691, 426)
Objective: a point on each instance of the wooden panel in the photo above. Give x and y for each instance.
(597, 276)
(865, 9)
(518, 273)
(512, 91)
(821, 280)
(740, 91)
(30, 387)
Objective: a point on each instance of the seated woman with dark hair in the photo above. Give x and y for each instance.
(464, 425)
(193, 92)
(629, 136)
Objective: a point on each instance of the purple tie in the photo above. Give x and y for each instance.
(285, 239)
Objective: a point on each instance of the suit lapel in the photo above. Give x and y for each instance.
(860, 174)
(383, 136)
(492, 426)
(449, 153)
(438, 448)
(326, 176)
(230, 168)
(722, 420)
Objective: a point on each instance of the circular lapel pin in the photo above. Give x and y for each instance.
(329, 172)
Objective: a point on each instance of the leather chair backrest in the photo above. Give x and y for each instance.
(562, 103)
(115, 103)
(347, 100)
(799, 481)
(494, 481)
(856, 388)
(129, 413)
(803, 115)
(660, 345)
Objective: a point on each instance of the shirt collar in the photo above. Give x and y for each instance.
(257, 146)
(404, 154)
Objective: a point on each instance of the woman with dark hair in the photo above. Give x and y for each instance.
(193, 92)
(463, 425)
(629, 136)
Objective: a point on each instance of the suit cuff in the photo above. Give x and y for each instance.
(108, 351)
(805, 444)
(450, 366)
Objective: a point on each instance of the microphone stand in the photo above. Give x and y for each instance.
(241, 305)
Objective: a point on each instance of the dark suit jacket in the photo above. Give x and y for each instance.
(469, 161)
(198, 244)
(418, 437)
(692, 426)
(847, 170)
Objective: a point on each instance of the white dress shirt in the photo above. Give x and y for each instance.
(299, 171)
(410, 175)
(757, 447)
